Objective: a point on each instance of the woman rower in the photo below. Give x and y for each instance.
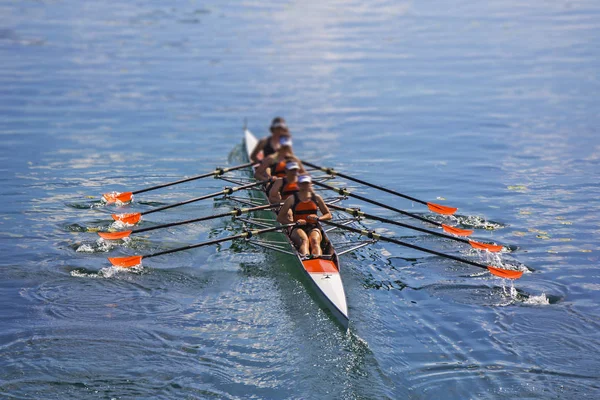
(284, 187)
(274, 165)
(305, 204)
(270, 144)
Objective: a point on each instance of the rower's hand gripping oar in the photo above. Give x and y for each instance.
(503, 273)
(355, 212)
(134, 218)
(131, 261)
(448, 229)
(234, 213)
(436, 208)
(124, 197)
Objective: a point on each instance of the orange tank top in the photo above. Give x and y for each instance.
(278, 169)
(287, 189)
(302, 209)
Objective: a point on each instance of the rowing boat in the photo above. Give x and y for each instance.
(323, 273)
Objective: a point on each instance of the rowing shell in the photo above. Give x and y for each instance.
(322, 273)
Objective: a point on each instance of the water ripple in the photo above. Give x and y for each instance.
(490, 106)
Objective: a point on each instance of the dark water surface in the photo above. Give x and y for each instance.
(488, 106)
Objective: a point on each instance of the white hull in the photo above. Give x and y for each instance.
(323, 274)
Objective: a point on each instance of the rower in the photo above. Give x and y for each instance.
(284, 187)
(305, 204)
(274, 165)
(270, 144)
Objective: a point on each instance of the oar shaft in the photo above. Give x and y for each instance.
(344, 192)
(235, 212)
(357, 213)
(218, 171)
(373, 235)
(332, 172)
(208, 196)
(247, 235)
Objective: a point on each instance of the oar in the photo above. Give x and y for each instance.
(134, 218)
(437, 208)
(235, 213)
(126, 196)
(355, 212)
(503, 273)
(130, 261)
(448, 229)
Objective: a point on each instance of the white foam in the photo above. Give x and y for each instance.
(107, 272)
(103, 245)
(79, 274)
(541, 300)
(85, 248)
(119, 225)
(511, 291)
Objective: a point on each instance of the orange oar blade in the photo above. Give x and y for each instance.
(482, 246)
(125, 262)
(438, 208)
(129, 218)
(114, 197)
(114, 235)
(505, 273)
(456, 231)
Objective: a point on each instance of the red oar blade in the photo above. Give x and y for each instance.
(115, 196)
(128, 218)
(505, 273)
(114, 235)
(125, 262)
(456, 231)
(440, 209)
(485, 246)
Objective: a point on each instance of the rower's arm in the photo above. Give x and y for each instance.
(274, 195)
(257, 149)
(324, 209)
(283, 216)
(261, 172)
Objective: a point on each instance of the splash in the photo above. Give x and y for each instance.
(495, 259)
(120, 225)
(514, 295)
(541, 300)
(510, 292)
(112, 271)
(85, 248)
(473, 221)
(107, 272)
(87, 205)
(100, 246)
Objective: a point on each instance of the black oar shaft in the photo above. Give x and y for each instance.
(218, 171)
(247, 235)
(357, 213)
(208, 196)
(376, 236)
(235, 212)
(333, 172)
(345, 192)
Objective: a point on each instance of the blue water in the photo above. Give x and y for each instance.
(488, 106)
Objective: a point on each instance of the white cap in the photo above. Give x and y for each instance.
(304, 179)
(285, 141)
(279, 124)
(292, 165)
